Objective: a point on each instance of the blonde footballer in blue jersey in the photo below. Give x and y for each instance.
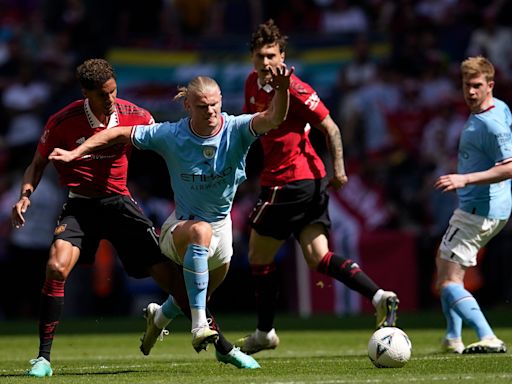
(483, 188)
(205, 171)
(205, 154)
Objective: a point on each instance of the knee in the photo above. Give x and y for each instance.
(312, 260)
(442, 283)
(56, 270)
(200, 233)
(60, 263)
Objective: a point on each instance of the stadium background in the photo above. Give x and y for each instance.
(388, 71)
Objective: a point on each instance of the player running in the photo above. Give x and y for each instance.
(205, 154)
(293, 198)
(99, 206)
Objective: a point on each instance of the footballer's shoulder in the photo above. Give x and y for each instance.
(71, 111)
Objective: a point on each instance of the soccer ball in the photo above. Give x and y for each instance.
(389, 347)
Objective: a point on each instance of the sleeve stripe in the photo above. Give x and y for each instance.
(132, 134)
(251, 128)
(506, 161)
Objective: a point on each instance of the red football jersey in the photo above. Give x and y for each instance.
(287, 150)
(103, 172)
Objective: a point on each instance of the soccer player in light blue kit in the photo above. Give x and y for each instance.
(205, 155)
(483, 187)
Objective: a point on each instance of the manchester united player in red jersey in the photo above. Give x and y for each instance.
(99, 204)
(293, 197)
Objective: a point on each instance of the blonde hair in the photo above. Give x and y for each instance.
(476, 66)
(197, 85)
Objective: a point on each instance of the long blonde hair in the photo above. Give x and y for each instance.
(476, 66)
(197, 85)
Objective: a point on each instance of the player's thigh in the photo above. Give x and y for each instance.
(79, 225)
(133, 236)
(262, 249)
(281, 211)
(314, 243)
(449, 272)
(169, 276)
(63, 257)
(466, 235)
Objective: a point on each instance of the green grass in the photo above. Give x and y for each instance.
(317, 350)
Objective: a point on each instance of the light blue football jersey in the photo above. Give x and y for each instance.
(205, 172)
(485, 141)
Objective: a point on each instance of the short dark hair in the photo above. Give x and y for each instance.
(268, 33)
(93, 73)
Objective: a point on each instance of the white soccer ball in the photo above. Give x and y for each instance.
(389, 347)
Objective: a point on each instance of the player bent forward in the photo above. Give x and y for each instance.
(205, 154)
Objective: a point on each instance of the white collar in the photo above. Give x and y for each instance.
(267, 87)
(93, 120)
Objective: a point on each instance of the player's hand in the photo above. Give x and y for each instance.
(281, 76)
(18, 210)
(450, 182)
(338, 182)
(59, 154)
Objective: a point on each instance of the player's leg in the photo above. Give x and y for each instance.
(159, 316)
(222, 251)
(463, 303)
(262, 250)
(79, 217)
(224, 350)
(63, 257)
(449, 273)
(315, 247)
(192, 240)
(463, 239)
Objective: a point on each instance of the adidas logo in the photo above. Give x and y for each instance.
(80, 140)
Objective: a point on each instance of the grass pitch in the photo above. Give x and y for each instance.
(322, 350)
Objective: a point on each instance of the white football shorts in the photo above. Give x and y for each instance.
(466, 235)
(221, 246)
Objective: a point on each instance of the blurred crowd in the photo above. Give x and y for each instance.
(400, 115)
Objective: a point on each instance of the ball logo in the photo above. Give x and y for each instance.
(384, 345)
(209, 152)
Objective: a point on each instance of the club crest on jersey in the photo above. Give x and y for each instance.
(61, 228)
(44, 137)
(209, 152)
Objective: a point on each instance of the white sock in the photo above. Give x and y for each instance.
(377, 297)
(198, 317)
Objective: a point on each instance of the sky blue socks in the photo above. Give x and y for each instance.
(170, 309)
(195, 272)
(457, 299)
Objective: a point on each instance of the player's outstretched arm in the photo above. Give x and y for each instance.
(495, 174)
(31, 179)
(272, 117)
(103, 139)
